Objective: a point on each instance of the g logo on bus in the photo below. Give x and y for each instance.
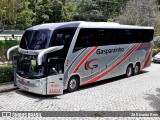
(91, 64)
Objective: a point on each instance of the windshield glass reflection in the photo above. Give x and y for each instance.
(35, 39)
(27, 67)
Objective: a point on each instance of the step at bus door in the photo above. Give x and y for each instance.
(55, 84)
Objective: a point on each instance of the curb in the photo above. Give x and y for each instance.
(7, 87)
(6, 83)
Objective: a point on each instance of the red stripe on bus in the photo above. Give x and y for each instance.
(112, 68)
(147, 60)
(84, 59)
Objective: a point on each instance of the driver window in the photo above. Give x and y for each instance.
(63, 37)
(58, 39)
(55, 66)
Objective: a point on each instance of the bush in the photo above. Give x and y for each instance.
(156, 51)
(157, 42)
(6, 74)
(4, 46)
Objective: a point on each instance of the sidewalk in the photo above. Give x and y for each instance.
(6, 87)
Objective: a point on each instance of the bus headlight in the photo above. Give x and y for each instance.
(39, 82)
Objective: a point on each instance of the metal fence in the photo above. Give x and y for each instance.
(11, 35)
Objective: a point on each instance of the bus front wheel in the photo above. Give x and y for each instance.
(129, 71)
(73, 84)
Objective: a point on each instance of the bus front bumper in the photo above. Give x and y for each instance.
(43, 86)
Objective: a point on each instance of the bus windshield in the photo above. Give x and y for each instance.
(35, 39)
(27, 67)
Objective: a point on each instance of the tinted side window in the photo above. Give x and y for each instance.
(91, 37)
(84, 39)
(146, 35)
(127, 36)
(101, 37)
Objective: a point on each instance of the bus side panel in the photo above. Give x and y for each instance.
(142, 55)
(147, 61)
(108, 61)
(101, 60)
(134, 53)
(137, 56)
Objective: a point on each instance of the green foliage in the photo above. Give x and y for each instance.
(42, 12)
(24, 17)
(157, 44)
(5, 45)
(56, 7)
(48, 11)
(15, 14)
(98, 10)
(156, 51)
(157, 27)
(6, 74)
(8, 12)
(69, 9)
(21, 15)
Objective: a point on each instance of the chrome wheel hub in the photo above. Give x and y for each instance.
(136, 69)
(72, 84)
(129, 71)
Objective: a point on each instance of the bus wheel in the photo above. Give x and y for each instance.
(73, 84)
(136, 69)
(129, 71)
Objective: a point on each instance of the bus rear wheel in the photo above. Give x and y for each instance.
(73, 84)
(136, 69)
(129, 71)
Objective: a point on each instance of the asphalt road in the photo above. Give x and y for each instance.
(137, 93)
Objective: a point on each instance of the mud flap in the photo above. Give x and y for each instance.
(55, 85)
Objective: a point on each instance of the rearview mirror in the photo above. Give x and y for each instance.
(53, 71)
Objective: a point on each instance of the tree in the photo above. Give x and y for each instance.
(157, 27)
(139, 12)
(7, 13)
(24, 17)
(56, 7)
(98, 10)
(89, 11)
(48, 11)
(42, 12)
(69, 9)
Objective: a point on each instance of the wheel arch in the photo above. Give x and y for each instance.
(131, 65)
(138, 63)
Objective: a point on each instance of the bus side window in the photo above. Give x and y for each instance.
(83, 40)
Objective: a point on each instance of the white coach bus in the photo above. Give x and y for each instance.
(58, 56)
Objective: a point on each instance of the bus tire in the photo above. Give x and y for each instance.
(136, 69)
(73, 84)
(129, 71)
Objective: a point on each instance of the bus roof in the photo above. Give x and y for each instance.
(82, 24)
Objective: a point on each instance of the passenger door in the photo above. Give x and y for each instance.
(55, 76)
